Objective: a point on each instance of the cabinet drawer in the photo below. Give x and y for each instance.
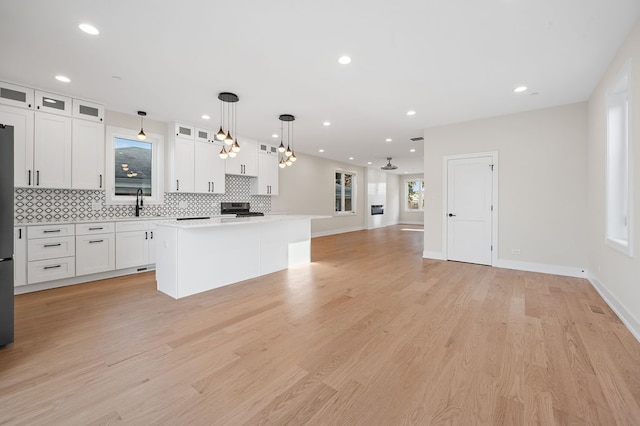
(51, 248)
(96, 253)
(95, 228)
(135, 225)
(46, 231)
(49, 270)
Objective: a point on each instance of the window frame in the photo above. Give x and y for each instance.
(157, 165)
(406, 195)
(354, 192)
(621, 205)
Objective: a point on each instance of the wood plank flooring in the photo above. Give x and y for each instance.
(369, 333)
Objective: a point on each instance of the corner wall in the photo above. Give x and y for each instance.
(615, 275)
(542, 185)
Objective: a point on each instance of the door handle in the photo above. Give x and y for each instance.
(451, 215)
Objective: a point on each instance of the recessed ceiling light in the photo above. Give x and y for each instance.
(406, 173)
(412, 150)
(350, 158)
(321, 150)
(411, 112)
(63, 79)
(205, 117)
(344, 60)
(388, 140)
(89, 29)
(368, 162)
(520, 89)
(326, 123)
(274, 135)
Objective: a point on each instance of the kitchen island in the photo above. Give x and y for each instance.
(193, 256)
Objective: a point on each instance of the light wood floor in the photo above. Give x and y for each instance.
(369, 333)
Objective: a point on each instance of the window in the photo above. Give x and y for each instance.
(133, 164)
(619, 165)
(414, 195)
(345, 192)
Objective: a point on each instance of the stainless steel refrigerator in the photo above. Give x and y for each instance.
(6, 235)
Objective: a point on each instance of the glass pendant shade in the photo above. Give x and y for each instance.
(221, 134)
(232, 154)
(142, 135)
(228, 139)
(281, 148)
(235, 147)
(288, 161)
(293, 157)
(288, 152)
(223, 153)
(282, 164)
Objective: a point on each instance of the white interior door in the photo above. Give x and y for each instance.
(469, 209)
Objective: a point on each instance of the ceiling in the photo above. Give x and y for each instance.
(450, 61)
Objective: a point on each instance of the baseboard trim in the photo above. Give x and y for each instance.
(335, 231)
(81, 279)
(408, 222)
(437, 255)
(626, 316)
(567, 271)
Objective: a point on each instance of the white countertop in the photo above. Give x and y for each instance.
(96, 220)
(224, 221)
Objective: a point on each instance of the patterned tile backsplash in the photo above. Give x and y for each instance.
(53, 205)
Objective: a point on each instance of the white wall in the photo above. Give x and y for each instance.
(614, 274)
(542, 185)
(308, 187)
(407, 216)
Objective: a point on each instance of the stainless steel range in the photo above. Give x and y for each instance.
(239, 209)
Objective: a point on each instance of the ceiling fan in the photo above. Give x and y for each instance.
(389, 166)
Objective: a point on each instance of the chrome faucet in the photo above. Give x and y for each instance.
(139, 202)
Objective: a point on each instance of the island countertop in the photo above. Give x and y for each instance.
(224, 221)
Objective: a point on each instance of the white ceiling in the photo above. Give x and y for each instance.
(451, 61)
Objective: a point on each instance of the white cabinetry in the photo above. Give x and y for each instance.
(19, 256)
(95, 248)
(135, 245)
(88, 111)
(52, 151)
(267, 181)
(179, 170)
(53, 103)
(18, 96)
(209, 168)
(246, 162)
(50, 252)
(22, 122)
(87, 159)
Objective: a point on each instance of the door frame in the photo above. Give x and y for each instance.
(494, 202)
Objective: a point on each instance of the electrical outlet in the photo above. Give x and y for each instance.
(515, 251)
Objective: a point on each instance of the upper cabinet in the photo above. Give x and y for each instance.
(245, 163)
(209, 168)
(52, 149)
(88, 111)
(52, 103)
(267, 181)
(18, 96)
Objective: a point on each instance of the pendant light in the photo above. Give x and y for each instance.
(226, 111)
(142, 135)
(281, 148)
(235, 147)
(287, 152)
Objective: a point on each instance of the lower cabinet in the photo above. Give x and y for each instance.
(50, 253)
(95, 253)
(135, 245)
(19, 256)
(51, 269)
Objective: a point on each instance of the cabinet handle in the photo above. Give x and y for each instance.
(96, 241)
(152, 235)
(20, 233)
(177, 184)
(38, 177)
(48, 231)
(52, 267)
(209, 186)
(146, 235)
(95, 229)
(53, 245)
(100, 181)
(29, 177)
